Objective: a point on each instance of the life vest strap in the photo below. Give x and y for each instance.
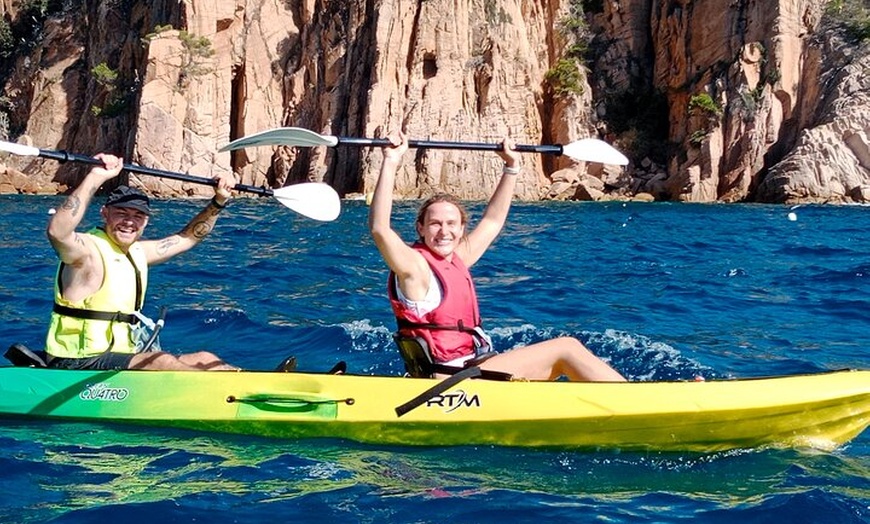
(90, 314)
(407, 324)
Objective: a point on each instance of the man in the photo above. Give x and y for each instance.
(103, 275)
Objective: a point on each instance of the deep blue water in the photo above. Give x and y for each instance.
(663, 291)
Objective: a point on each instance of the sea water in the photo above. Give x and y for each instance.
(662, 291)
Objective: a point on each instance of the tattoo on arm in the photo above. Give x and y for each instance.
(200, 229)
(164, 245)
(197, 229)
(72, 204)
(202, 224)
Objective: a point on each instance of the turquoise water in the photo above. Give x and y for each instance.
(663, 291)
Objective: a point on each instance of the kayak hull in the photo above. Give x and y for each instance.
(823, 410)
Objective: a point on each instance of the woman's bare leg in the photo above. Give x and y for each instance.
(552, 359)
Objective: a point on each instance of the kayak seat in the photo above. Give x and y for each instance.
(415, 353)
(21, 356)
(419, 363)
(339, 368)
(288, 365)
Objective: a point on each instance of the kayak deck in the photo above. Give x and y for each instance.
(822, 410)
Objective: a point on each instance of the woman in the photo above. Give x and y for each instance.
(431, 289)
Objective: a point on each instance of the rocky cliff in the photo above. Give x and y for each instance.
(723, 100)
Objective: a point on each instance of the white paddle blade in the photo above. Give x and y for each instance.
(282, 136)
(19, 149)
(311, 199)
(594, 150)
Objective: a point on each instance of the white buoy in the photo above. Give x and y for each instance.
(792, 216)
(52, 211)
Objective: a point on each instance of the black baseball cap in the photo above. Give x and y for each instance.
(129, 197)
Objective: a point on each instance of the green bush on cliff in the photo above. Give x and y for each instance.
(703, 103)
(157, 30)
(104, 75)
(115, 99)
(574, 21)
(196, 46)
(196, 50)
(575, 29)
(565, 78)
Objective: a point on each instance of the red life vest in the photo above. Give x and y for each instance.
(447, 328)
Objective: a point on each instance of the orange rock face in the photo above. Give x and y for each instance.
(756, 101)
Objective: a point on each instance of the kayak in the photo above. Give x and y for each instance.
(820, 410)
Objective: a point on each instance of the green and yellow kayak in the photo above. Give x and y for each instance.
(821, 410)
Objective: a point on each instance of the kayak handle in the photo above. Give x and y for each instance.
(292, 401)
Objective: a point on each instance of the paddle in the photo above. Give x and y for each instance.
(311, 199)
(587, 149)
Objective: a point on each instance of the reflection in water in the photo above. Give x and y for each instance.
(77, 466)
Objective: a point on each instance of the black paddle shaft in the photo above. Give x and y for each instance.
(470, 146)
(63, 156)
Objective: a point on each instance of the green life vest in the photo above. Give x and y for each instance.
(102, 321)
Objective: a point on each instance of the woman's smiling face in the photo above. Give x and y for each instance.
(442, 228)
